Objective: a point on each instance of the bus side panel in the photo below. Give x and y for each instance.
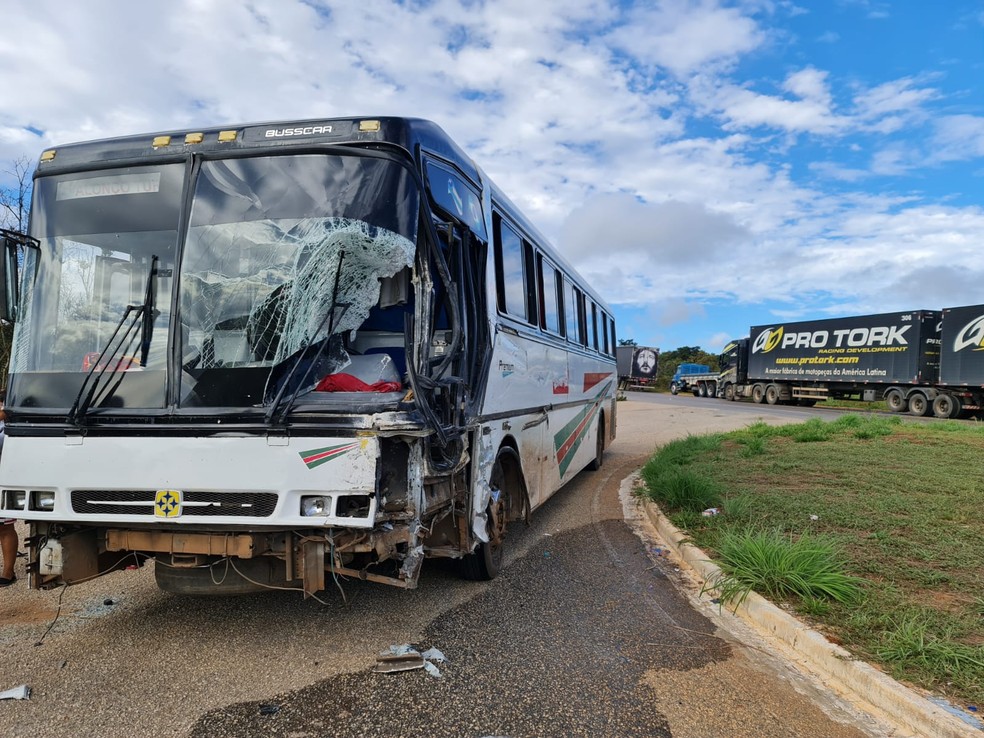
(564, 391)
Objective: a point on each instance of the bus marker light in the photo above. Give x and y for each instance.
(194, 138)
(369, 126)
(48, 155)
(161, 141)
(226, 136)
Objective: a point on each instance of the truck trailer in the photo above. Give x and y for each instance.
(919, 361)
(636, 366)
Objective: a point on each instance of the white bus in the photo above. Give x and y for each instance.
(285, 354)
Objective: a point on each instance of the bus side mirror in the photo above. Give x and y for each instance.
(12, 244)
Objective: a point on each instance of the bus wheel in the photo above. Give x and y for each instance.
(599, 459)
(946, 406)
(758, 394)
(484, 562)
(918, 404)
(896, 401)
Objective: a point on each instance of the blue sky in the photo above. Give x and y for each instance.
(708, 165)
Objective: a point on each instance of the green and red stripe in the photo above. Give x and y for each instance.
(318, 456)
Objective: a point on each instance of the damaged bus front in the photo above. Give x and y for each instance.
(253, 360)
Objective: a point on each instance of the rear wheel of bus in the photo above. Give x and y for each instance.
(599, 458)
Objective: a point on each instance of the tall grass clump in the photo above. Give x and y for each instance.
(778, 566)
(669, 481)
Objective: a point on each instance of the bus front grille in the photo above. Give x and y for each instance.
(193, 503)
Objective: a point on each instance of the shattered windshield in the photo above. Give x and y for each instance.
(98, 233)
(284, 252)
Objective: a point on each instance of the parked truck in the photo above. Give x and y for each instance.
(688, 376)
(636, 365)
(918, 361)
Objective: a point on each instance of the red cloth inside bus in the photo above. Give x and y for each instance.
(347, 383)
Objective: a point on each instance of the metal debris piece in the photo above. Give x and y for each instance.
(398, 658)
(23, 692)
(433, 654)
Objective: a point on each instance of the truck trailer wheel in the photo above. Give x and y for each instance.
(896, 401)
(702, 389)
(758, 394)
(918, 404)
(947, 406)
(772, 394)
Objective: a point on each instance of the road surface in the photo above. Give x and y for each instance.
(587, 632)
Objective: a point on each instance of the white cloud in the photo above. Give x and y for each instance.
(684, 35)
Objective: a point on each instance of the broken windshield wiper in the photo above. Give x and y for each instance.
(144, 316)
(329, 318)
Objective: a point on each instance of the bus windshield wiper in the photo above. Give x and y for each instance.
(114, 355)
(331, 319)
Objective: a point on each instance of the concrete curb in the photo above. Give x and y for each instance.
(865, 686)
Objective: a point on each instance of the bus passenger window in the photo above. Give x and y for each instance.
(549, 309)
(510, 271)
(593, 327)
(571, 328)
(611, 323)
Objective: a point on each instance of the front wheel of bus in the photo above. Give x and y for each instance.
(484, 562)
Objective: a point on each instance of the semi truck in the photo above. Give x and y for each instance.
(920, 362)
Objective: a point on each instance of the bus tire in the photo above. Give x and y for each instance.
(896, 401)
(484, 563)
(946, 406)
(599, 459)
(758, 394)
(918, 404)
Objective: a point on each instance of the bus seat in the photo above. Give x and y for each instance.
(382, 342)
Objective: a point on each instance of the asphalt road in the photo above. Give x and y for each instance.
(587, 632)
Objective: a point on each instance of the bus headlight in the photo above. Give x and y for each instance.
(315, 506)
(13, 499)
(42, 501)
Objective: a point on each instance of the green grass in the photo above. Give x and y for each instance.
(868, 526)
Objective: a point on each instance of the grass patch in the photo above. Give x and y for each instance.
(780, 566)
(888, 511)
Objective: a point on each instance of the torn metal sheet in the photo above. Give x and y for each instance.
(23, 692)
(398, 658)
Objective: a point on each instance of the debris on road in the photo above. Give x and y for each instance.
(408, 658)
(23, 692)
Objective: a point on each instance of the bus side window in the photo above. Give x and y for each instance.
(549, 304)
(571, 327)
(611, 323)
(604, 331)
(510, 271)
(593, 327)
(532, 308)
